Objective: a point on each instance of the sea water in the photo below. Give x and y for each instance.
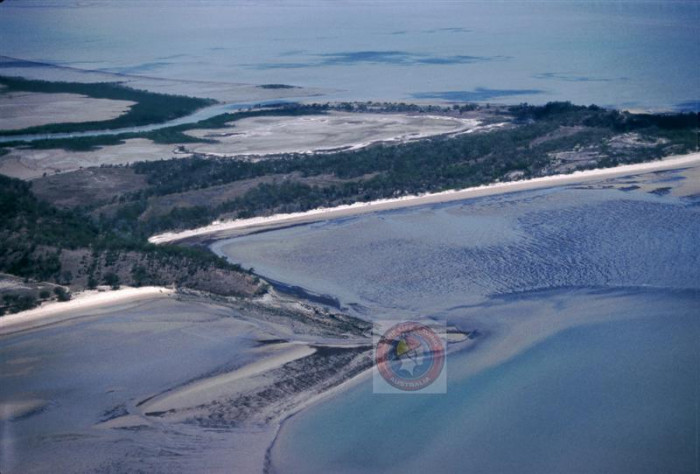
(598, 290)
(610, 397)
(607, 52)
(428, 260)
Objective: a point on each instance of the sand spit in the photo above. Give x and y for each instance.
(207, 390)
(87, 300)
(220, 229)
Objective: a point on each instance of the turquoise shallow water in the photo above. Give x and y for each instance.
(612, 397)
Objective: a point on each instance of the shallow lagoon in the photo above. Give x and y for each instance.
(587, 300)
(611, 397)
(424, 261)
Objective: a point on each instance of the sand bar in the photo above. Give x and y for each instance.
(219, 229)
(87, 300)
(219, 386)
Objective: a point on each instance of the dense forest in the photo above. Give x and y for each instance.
(65, 247)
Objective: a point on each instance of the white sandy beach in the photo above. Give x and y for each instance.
(58, 311)
(244, 226)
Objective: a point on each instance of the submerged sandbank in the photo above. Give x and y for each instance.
(244, 226)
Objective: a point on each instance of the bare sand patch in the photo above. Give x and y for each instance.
(207, 390)
(322, 133)
(29, 164)
(255, 136)
(20, 110)
(13, 409)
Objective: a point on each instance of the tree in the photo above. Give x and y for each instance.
(61, 293)
(112, 279)
(139, 275)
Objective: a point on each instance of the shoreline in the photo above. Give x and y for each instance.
(336, 391)
(55, 311)
(220, 230)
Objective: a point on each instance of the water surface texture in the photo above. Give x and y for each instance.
(99, 366)
(609, 53)
(425, 261)
(587, 302)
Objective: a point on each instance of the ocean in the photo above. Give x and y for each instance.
(629, 54)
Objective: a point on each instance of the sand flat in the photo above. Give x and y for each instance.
(19, 110)
(227, 384)
(322, 133)
(28, 164)
(255, 136)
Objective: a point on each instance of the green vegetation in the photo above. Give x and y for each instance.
(391, 170)
(12, 303)
(43, 243)
(61, 293)
(149, 108)
(566, 114)
(105, 242)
